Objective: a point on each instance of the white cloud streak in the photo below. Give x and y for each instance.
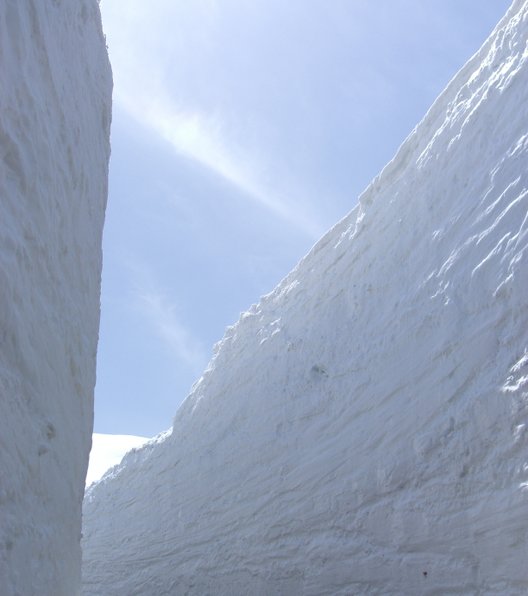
(141, 65)
(162, 316)
(201, 137)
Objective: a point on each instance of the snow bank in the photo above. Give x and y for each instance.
(108, 451)
(363, 428)
(55, 102)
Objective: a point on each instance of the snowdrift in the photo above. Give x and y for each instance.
(55, 102)
(362, 430)
(107, 451)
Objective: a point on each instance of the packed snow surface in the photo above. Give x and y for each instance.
(55, 103)
(362, 430)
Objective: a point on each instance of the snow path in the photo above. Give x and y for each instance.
(362, 430)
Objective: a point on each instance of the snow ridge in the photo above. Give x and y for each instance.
(362, 430)
(55, 104)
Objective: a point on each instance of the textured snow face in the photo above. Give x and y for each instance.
(108, 451)
(362, 429)
(55, 102)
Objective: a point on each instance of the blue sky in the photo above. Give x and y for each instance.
(242, 130)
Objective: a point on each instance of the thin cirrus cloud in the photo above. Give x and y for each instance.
(143, 86)
(161, 315)
(201, 137)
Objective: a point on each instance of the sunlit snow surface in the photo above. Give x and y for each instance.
(108, 451)
(362, 429)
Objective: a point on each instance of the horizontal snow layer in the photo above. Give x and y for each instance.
(362, 430)
(55, 96)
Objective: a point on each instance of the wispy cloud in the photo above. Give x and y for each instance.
(144, 87)
(202, 137)
(162, 315)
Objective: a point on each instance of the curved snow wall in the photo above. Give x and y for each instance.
(362, 430)
(55, 110)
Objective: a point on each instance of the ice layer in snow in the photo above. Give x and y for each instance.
(55, 101)
(362, 430)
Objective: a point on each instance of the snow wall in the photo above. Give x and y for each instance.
(55, 110)
(362, 430)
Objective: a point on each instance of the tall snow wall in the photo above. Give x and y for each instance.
(362, 430)
(55, 110)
